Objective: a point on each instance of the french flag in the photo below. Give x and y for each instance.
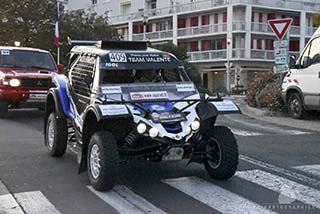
(56, 30)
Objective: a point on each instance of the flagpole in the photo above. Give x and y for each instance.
(58, 48)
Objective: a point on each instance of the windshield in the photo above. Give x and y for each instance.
(143, 76)
(26, 59)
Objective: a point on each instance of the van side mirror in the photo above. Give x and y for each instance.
(60, 68)
(292, 62)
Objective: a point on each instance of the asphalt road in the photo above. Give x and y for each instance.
(279, 172)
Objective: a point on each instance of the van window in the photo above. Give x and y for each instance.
(305, 59)
(315, 51)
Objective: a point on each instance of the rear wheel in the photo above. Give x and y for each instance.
(295, 106)
(222, 154)
(3, 109)
(56, 135)
(103, 160)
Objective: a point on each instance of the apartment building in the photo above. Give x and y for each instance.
(205, 26)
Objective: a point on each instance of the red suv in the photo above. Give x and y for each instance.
(25, 77)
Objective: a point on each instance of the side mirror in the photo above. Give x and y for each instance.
(292, 62)
(60, 68)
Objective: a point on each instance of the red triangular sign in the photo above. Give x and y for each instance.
(280, 26)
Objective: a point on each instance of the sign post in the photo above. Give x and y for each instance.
(280, 27)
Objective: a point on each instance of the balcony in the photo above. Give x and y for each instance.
(203, 29)
(260, 27)
(239, 26)
(207, 55)
(262, 54)
(211, 4)
(310, 31)
(153, 35)
(239, 53)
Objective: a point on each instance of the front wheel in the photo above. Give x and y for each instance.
(103, 160)
(222, 155)
(295, 106)
(56, 135)
(3, 109)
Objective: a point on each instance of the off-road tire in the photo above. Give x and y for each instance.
(60, 135)
(3, 109)
(109, 161)
(227, 144)
(295, 106)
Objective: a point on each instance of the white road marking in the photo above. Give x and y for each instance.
(244, 133)
(35, 203)
(294, 175)
(275, 129)
(283, 186)
(126, 201)
(8, 204)
(310, 169)
(216, 197)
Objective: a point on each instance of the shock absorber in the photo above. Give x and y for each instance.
(130, 140)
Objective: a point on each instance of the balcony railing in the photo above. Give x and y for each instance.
(154, 35)
(239, 26)
(210, 4)
(262, 54)
(310, 31)
(207, 55)
(239, 53)
(203, 29)
(260, 27)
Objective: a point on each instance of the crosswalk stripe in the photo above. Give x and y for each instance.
(283, 186)
(309, 169)
(240, 132)
(126, 201)
(215, 196)
(35, 203)
(8, 204)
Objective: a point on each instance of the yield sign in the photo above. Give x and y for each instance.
(280, 26)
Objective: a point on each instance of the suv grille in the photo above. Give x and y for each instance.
(36, 83)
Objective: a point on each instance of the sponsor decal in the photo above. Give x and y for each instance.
(111, 90)
(111, 110)
(118, 57)
(112, 65)
(152, 95)
(148, 58)
(37, 96)
(226, 105)
(5, 52)
(185, 87)
(158, 108)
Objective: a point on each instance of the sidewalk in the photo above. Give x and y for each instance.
(311, 123)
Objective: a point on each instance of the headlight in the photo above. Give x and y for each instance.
(141, 128)
(195, 125)
(14, 82)
(153, 132)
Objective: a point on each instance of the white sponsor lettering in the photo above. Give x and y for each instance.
(112, 65)
(111, 110)
(226, 105)
(118, 57)
(111, 90)
(5, 52)
(37, 96)
(185, 87)
(149, 95)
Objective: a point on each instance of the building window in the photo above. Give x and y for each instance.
(194, 21)
(294, 45)
(181, 23)
(205, 20)
(94, 1)
(224, 19)
(205, 45)
(216, 18)
(125, 7)
(193, 46)
(151, 4)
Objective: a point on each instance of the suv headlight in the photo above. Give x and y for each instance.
(14, 82)
(141, 128)
(195, 125)
(153, 132)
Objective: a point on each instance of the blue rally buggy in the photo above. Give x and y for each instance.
(124, 101)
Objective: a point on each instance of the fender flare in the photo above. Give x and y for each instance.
(296, 89)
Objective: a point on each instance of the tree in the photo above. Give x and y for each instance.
(32, 23)
(316, 20)
(181, 54)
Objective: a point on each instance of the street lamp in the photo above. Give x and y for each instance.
(145, 22)
(228, 65)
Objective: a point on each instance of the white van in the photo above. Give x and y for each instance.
(301, 86)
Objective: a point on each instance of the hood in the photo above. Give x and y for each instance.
(16, 72)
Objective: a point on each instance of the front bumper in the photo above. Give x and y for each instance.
(23, 95)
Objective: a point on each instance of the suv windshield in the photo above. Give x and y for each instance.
(143, 76)
(26, 59)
